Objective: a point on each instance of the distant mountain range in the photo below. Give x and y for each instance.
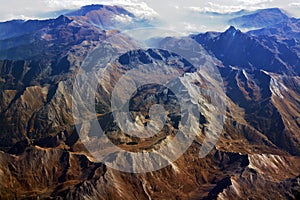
(260, 18)
(257, 155)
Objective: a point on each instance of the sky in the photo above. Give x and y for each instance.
(176, 13)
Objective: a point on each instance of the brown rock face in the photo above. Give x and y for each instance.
(43, 154)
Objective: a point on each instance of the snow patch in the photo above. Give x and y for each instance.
(277, 88)
(245, 74)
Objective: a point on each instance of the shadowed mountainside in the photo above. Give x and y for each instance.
(42, 156)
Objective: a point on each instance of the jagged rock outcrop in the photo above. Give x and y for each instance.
(43, 155)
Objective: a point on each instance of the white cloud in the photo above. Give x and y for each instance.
(123, 18)
(193, 28)
(217, 8)
(141, 10)
(225, 8)
(295, 4)
(254, 2)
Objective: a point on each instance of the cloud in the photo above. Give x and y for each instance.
(123, 18)
(141, 10)
(295, 4)
(254, 2)
(225, 8)
(217, 8)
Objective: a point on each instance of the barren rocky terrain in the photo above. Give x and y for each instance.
(44, 156)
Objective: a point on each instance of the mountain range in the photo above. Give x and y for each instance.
(42, 155)
(260, 18)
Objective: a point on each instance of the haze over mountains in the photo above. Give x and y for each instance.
(257, 155)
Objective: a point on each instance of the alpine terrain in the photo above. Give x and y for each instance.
(45, 150)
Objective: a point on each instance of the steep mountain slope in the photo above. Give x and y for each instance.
(255, 67)
(288, 29)
(43, 156)
(241, 50)
(287, 33)
(268, 100)
(50, 41)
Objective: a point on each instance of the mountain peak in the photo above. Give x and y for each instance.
(92, 7)
(232, 31)
(85, 10)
